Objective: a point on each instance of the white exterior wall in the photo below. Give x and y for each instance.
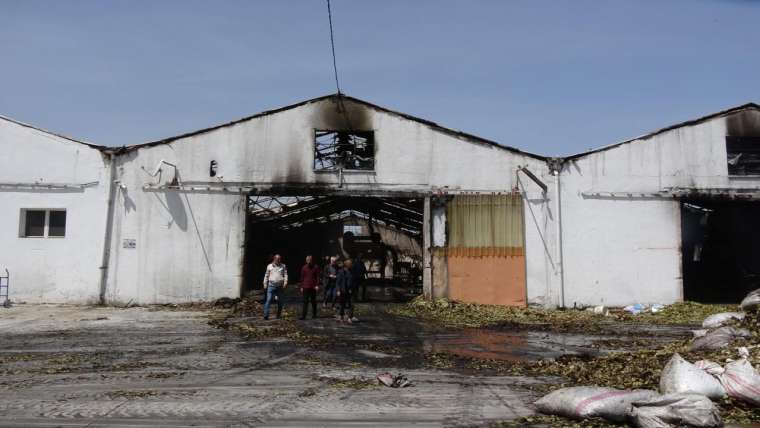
(623, 250)
(189, 245)
(52, 270)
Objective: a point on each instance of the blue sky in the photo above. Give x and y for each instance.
(550, 77)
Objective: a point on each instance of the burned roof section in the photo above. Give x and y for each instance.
(340, 98)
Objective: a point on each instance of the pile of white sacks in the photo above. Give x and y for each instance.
(686, 389)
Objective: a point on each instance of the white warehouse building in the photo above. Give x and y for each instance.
(658, 219)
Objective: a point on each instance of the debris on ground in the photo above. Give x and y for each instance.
(225, 302)
(641, 368)
(719, 338)
(449, 313)
(394, 381)
(356, 382)
(717, 320)
(681, 376)
(639, 308)
(675, 410)
(751, 302)
(599, 310)
(134, 394)
(583, 402)
(308, 392)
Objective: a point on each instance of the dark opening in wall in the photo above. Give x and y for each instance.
(720, 244)
(385, 233)
(743, 155)
(347, 150)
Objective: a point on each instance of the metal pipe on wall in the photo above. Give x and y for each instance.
(109, 230)
(556, 169)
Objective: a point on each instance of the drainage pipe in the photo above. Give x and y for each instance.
(556, 169)
(109, 230)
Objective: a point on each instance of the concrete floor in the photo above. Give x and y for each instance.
(67, 366)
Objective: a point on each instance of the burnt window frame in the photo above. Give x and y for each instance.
(23, 222)
(738, 145)
(366, 134)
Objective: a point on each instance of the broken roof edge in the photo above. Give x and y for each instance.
(652, 134)
(449, 131)
(73, 140)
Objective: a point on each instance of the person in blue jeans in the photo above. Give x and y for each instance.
(345, 287)
(275, 280)
(330, 276)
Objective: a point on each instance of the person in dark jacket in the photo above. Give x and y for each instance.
(330, 275)
(359, 272)
(345, 287)
(310, 278)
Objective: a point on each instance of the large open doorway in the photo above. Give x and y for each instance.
(386, 233)
(721, 249)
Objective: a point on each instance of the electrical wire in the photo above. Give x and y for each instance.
(332, 44)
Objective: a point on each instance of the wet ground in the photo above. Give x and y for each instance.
(86, 366)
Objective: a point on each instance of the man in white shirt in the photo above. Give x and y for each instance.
(275, 280)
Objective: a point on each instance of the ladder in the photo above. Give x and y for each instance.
(4, 283)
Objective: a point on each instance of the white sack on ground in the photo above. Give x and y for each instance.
(741, 381)
(719, 338)
(710, 367)
(581, 402)
(673, 410)
(751, 301)
(717, 320)
(680, 376)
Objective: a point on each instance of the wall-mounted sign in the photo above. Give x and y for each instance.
(129, 243)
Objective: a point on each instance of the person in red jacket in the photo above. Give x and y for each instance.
(310, 277)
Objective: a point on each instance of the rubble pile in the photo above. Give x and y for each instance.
(456, 314)
(696, 389)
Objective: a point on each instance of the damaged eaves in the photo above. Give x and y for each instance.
(26, 125)
(743, 107)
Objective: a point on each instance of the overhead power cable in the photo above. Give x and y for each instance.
(332, 43)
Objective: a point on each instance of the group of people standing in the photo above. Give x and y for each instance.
(341, 280)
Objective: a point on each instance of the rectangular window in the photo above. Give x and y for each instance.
(43, 223)
(57, 223)
(743, 155)
(34, 223)
(344, 150)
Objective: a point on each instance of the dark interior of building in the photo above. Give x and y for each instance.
(720, 249)
(385, 232)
